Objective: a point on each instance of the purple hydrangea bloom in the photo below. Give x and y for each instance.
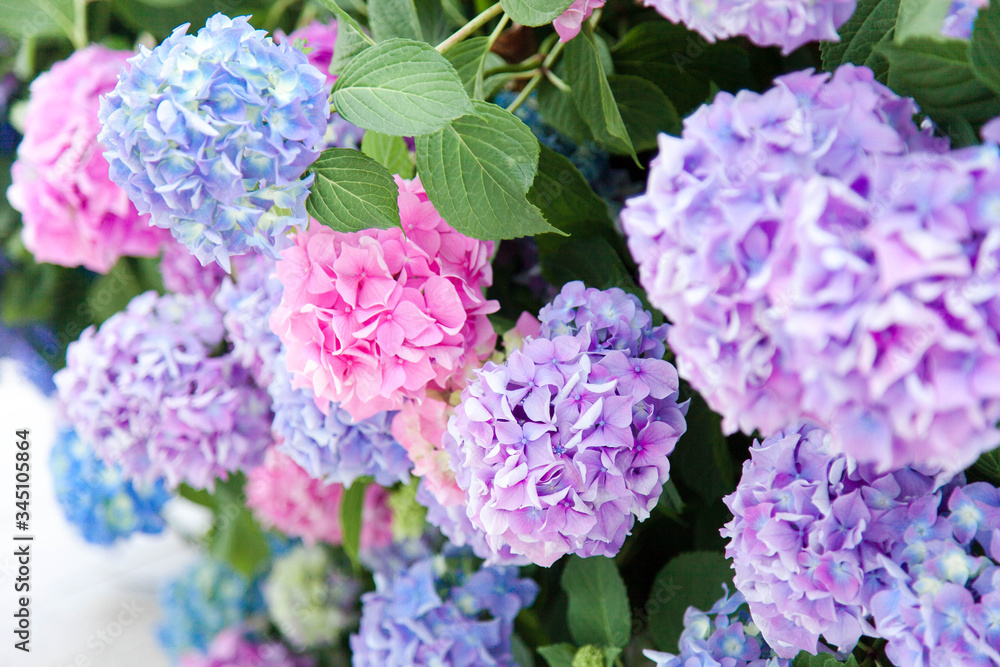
(991, 131)
(237, 647)
(617, 320)
(96, 499)
(802, 537)
(454, 524)
(562, 447)
(934, 600)
(246, 300)
(724, 635)
(151, 393)
(961, 18)
(331, 446)
(184, 274)
(425, 616)
(211, 134)
(797, 241)
(785, 24)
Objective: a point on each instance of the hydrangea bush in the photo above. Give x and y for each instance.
(466, 333)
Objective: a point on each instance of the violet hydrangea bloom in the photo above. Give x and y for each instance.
(235, 647)
(331, 447)
(806, 279)
(97, 500)
(563, 446)
(282, 495)
(786, 24)
(211, 134)
(961, 18)
(73, 214)
(150, 393)
(991, 131)
(427, 616)
(400, 310)
(724, 635)
(184, 274)
(247, 300)
(801, 537)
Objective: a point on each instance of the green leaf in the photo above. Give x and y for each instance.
(352, 192)
(692, 579)
(558, 655)
(38, 18)
(645, 110)
(534, 12)
(521, 652)
(477, 171)
(701, 458)
(345, 20)
(936, 73)
(401, 87)
(598, 603)
(559, 111)
(393, 18)
(235, 537)
(872, 22)
(804, 659)
(433, 21)
(29, 295)
(390, 152)
(986, 468)
(112, 292)
(592, 95)
(984, 53)
(563, 196)
(587, 256)
(680, 62)
(920, 18)
(465, 57)
(350, 517)
(349, 44)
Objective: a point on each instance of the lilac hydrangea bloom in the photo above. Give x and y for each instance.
(785, 24)
(97, 500)
(936, 602)
(331, 446)
(247, 300)
(793, 240)
(211, 134)
(236, 647)
(724, 635)
(991, 131)
(802, 536)
(961, 18)
(426, 616)
(184, 274)
(455, 525)
(616, 320)
(563, 446)
(150, 393)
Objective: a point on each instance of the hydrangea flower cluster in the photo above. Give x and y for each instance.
(803, 534)
(148, 390)
(282, 495)
(73, 214)
(321, 39)
(724, 635)
(211, 134)
(95, 498)
(934, 600)
(183, 273)
(235, 647)
(788, 24)
(401, 311)
(419, 616)
(568, 23)
(311, 597)
(330, 446)
(420, 429)
(19, 344)
(247, 300)
(563, 446)
(203, 602)
(807, 279)
(961, 18)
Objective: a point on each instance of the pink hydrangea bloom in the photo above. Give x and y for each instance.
(420, 430)
(73, 214)
(282, 495)
(569, 22)
(373, 317)
(236, 648)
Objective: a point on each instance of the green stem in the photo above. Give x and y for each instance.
(470, 27)
(557, 82)
(501, 24)
(529, 65)
(535, 80)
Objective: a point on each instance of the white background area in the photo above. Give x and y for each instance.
(91, 606)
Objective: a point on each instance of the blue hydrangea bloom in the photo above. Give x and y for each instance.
(97, 499)
(203, 602)
(427, 615)
(211, 134)
(330, 447)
